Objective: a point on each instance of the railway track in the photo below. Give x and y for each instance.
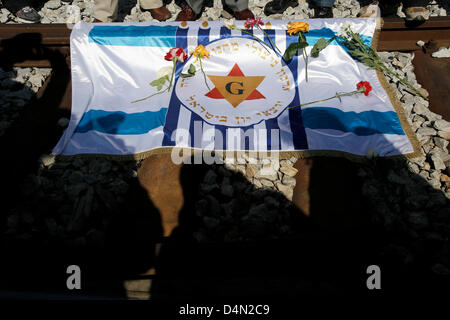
(394, 36)
(48, 46)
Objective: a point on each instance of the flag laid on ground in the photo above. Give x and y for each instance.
(242, 102)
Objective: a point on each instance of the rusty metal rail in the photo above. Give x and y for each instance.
(29, 45)
(16, 39)
(396, 36)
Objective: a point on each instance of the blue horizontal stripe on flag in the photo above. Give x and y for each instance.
(149, 36)
(315, 34)
(117, 122)
(362, 124)
(164, 36)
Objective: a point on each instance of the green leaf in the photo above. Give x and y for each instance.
(319, 46)
(186, 75)
(159, 82)
(302, 45)
(191, 69)
(155, 83)
(159, 87)
(291, 51)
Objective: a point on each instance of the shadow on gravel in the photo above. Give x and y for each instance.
(323, 254)
(34, 263)
(35, 129)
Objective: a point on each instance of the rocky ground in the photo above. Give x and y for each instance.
(17, 87)
(55, 11)
(73, 202)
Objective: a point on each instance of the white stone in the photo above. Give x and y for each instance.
(444, 134)
(441, 53)
(289, 171)
(251, 170)
(53, 4)
(426, 131)
(267, 173)
(36, 80)
(440, 142)
(4, 15)
(286, 190)
(289, 181)
(442, 125)
(73, 14)
(437, 162)
(47, 159)
(420, 43)
(266, 183)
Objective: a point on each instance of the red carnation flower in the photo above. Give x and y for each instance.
(250, 23)
(364, 87)
(176, 52)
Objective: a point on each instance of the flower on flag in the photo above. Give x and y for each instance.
(162, 76)
(229, 24)
(364, 87)
(199, 52)
(361, 87)
(296, 27)
(163, 72)
(251, 22)
(176, 53)
(367, 55)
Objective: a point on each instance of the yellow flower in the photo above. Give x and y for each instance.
(200, 52)
(296, 27)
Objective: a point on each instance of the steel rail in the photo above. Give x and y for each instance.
(395, 35)
(59, 34)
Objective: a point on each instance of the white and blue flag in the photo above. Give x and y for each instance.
(242, 102)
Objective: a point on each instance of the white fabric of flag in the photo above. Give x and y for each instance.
(245, 102)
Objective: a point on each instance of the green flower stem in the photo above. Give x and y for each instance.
(337, 95)
(305, 56)
(404, 82)
(273, 44)
(173, 72)
(204, 75)
(259, 40)
(135, 101)
(166, 89)
(331, 39)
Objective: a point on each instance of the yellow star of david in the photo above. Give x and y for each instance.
(235, 87)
